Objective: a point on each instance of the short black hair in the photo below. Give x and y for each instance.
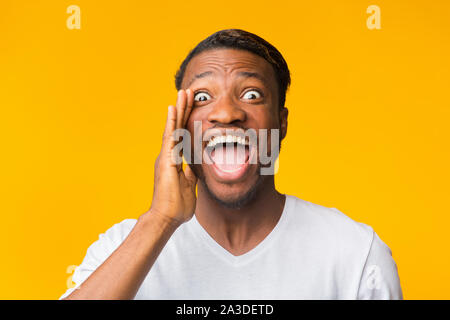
(242, 40)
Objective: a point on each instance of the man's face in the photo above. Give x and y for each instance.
(233, 89)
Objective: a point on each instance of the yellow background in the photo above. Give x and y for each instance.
(82, 113)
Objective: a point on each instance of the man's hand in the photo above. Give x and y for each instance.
(122, 273)
(174, 189)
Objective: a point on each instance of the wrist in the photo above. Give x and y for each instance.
(161, 219)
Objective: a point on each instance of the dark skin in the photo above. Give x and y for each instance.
(243, 100)
(229, 78)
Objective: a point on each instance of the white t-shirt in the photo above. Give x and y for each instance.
(313, 252)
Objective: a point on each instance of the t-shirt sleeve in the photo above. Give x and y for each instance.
(99, 251)
(379, 280)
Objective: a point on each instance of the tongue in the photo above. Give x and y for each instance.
(229, 158)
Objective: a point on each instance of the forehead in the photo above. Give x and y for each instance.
(228, 62)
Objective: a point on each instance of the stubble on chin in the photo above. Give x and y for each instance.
(235, 203)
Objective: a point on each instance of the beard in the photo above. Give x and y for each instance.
(236, 203)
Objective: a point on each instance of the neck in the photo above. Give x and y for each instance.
(239, 230)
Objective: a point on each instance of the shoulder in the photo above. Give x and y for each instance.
(100, 250)
(119, 231)
(109, 240)
(351, 248)
(328, 223)
(338, 239)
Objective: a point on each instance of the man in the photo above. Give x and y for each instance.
(238, 237)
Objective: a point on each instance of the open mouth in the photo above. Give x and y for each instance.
(229, 156)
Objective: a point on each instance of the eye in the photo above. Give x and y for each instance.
(252, 95)
(201, 96)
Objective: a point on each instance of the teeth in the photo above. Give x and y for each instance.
(227, 139)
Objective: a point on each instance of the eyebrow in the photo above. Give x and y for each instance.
(199, 76)
(244, 74)
(252, 75)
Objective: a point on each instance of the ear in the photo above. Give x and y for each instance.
(283, 122)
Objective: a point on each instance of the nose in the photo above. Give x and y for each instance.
(225, 111)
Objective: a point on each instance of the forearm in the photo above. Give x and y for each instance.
(121, 275)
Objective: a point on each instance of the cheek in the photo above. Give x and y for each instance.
(196, 115)
(263, 119)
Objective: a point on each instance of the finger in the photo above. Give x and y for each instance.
(181, 107)
(168, 141)
(189, 106)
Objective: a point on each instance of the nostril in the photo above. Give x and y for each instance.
(227, 114)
